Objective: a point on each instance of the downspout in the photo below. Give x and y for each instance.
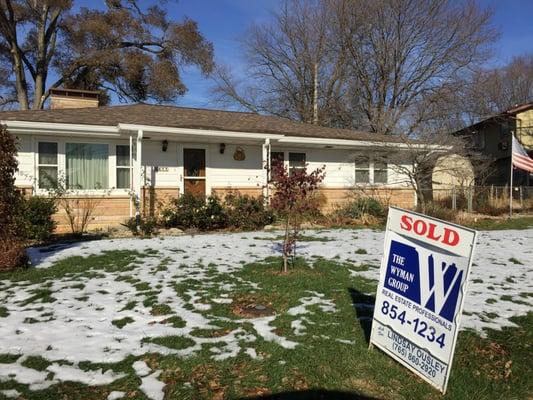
(131, 175)
(266, 170)
(138, 177)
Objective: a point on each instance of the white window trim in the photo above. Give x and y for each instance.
(286, 162)
(129, 167)
(61, 160)
(371, 169)
(38, 164)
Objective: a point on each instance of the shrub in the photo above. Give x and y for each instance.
(78, 208)
(362, 206)
(437, 211)
(194, 212)
(36, 218)
(12, 253)
(247, 212)
(212, 215)
(146, 227)
(10, 199)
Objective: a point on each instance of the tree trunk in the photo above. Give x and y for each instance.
(20, 80)
(285, 247)
(315, 94)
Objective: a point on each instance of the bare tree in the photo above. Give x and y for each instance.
(134, 52)
(402, 53)
(415, 162)
(293, 71)
(383, 65)
(495, 90)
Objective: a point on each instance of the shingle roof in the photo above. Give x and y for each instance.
(193, 118)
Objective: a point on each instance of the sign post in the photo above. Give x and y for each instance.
(421, 292)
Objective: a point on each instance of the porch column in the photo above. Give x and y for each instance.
(137, 173)
(266, 169)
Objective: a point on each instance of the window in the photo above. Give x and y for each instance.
(296, 161)
(47, 165)
(123, 167)
(87, 166)
(479, 140)
(275, 157)
(380, 172)
(362, 171)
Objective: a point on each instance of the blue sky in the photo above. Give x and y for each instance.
(224, 22)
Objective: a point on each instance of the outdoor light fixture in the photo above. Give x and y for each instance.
(222, 148)
(165, 145)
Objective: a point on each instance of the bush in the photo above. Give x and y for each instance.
(237, 211)
(36, 218)
(437, 211)
(194, 212)
(146, 227)
(12, 254)
(246, 212)
(360, 207)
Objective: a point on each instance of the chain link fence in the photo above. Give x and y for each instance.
(489, 200)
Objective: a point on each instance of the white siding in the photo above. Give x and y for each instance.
(167, 163)
(339, 164)
(221, 169)
(26, 159)
(224, 171)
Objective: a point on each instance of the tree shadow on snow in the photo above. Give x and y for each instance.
(363, 305)
(313, 395)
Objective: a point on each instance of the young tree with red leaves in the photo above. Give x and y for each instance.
(292, 201)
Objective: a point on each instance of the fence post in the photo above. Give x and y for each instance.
(454, 199)
(521, 198)
(470, 194)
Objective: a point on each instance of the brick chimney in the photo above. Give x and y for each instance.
(73, 98)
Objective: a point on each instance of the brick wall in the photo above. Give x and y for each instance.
(221, 192)
(108, 211)
(153, 200)
(400, 197)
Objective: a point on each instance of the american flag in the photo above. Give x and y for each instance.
(520, 157)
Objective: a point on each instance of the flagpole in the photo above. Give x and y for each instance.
(511, 183)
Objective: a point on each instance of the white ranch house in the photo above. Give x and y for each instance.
(154, 152)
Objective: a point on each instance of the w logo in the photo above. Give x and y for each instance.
(424, 279)
(444, 286)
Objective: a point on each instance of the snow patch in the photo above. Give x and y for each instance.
(153, 388)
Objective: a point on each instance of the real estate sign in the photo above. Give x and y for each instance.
(421, 291)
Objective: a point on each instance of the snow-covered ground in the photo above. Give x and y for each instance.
(78, 326)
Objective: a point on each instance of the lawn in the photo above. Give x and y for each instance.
(210, 317)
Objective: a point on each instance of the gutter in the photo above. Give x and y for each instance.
(50, 128)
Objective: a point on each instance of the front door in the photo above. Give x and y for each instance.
(194, 172)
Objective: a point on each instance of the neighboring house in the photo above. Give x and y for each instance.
(154, 152)
(491, 137)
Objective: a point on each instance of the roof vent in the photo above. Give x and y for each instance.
(73, 98)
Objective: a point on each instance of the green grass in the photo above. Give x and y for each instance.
(9, 358)
(515, 261)
(301, 238)
(77, 267)
(36, 362)
(3, 312)
(121, 323)
(489, 224)
(494, 367)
